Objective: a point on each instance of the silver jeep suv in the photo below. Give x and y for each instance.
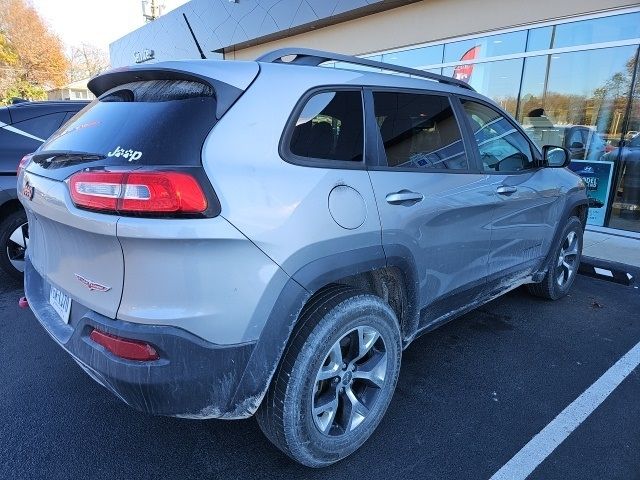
(216, 239)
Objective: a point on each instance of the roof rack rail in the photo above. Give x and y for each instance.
(311, 57)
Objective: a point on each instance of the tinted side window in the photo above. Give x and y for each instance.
(42, 126)
(419, 131)
(330, 127)
(502, 147)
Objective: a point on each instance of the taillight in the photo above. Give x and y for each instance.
(124, 347)
(23, 163)
(138, 192)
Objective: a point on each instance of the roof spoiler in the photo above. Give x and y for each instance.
(226, 95)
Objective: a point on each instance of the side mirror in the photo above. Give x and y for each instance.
(555, 157)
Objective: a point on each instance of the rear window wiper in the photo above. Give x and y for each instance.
(64, 158)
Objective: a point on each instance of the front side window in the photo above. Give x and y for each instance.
(502, 147)
(419, 131)
(330, 127)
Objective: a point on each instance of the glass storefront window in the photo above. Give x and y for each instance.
(416, 58)
(539, 39)
(597, 30)
(499, 81)
(625, 209)
(578, 101)
(585, 32)
(484, 47)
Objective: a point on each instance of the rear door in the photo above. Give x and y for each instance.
(525, 195)
(434, 206)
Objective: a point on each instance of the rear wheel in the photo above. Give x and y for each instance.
(14, 238)
(336, 378)
(564, 264)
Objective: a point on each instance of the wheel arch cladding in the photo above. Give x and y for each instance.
(395, 281)
(575, 206)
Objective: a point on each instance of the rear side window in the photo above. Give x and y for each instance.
(330, 127)
(154, 122)
(419, 131)
(42, 126)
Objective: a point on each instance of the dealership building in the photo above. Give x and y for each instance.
(566, 70)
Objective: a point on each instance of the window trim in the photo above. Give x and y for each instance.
(284, 145)
(536, 153)
(380, 162)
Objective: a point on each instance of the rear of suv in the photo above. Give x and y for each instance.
(220, 239)
(24, 126)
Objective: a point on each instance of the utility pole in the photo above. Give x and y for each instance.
(153, 11)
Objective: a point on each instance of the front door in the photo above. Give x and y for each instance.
(525, 195)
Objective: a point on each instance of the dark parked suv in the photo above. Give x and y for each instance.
(23, 128)
(217, 239)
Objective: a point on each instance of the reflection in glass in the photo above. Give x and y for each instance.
(539, 39)
(576, 100)
(491, 46)
(415, 58)
(597, 30)
(625, 211)
(499, 81)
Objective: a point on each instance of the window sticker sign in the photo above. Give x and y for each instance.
(597, 177)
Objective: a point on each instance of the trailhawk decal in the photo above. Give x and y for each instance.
(130, 155)
(93, 286)
(20, 132)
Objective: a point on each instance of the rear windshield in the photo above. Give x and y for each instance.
(154, 122)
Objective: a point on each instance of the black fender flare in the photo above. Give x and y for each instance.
(569, 206)
(282, 319)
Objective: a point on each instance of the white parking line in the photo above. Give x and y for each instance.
(550, 437)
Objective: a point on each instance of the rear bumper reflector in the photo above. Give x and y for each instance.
(124, 348)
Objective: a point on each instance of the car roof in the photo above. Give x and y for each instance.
(232, 72)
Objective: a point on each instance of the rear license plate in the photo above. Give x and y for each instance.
(61, 303)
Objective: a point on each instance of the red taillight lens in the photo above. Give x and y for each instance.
(23, 163)
(124, 348)
(138, 192)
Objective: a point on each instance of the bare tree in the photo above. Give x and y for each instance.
(87, 61)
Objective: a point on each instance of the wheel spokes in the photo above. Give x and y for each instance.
(18, 237)
(367, 337)
(356, 410)
(325, 410)
(349, 381)
(17, 245)
(332, 364)
(373, 370)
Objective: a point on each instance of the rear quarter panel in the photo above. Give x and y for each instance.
(282, 207)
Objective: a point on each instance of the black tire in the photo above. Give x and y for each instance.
(286, 414)
(551, 286)
(9, 225)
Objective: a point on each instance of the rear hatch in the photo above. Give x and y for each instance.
(78, 185)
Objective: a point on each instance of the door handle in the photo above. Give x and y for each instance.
(506, 190)
(404, 196)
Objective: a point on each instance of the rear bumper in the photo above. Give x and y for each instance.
(192, 378)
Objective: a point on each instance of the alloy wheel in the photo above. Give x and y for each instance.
(349, 382)
(567, 263)
(17, 246)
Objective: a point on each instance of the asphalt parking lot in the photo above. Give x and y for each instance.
(470, 396)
